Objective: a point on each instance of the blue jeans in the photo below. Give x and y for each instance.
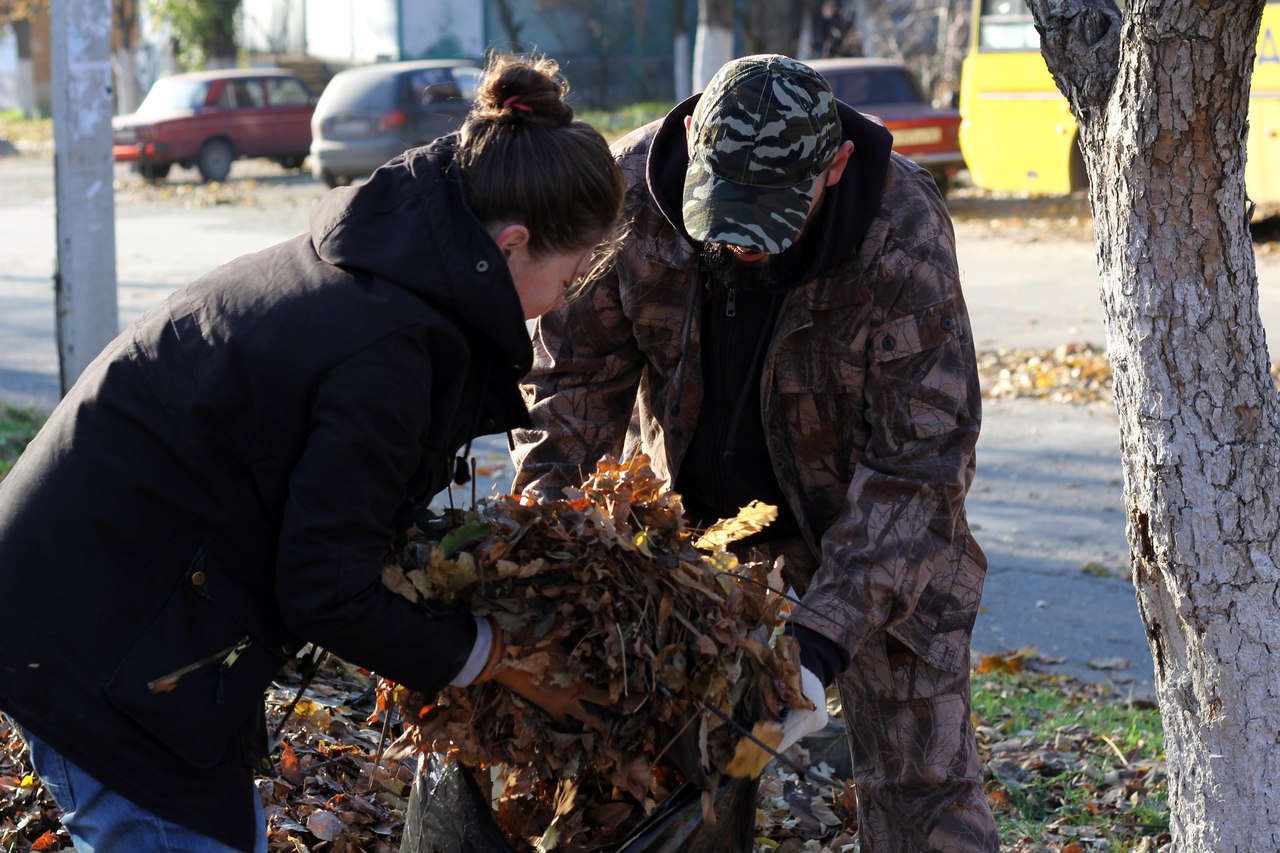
(101, 821)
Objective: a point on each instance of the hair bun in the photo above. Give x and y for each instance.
(523, 89)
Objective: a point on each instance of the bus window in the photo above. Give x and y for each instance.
(1007, 25)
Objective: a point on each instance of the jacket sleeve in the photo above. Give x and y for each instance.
(899, 555)
(581, 391)
(368, 421)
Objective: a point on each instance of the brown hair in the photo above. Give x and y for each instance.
(526, 159)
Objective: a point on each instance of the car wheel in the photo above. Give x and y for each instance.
(331, 180)
(291, 162)
(215, 159)
(154, 171)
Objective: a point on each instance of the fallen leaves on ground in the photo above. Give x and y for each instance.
(1071, 373)
(195, 193)
(1022, 217)
(1053, 784)
(28, 815)
(1060, 776)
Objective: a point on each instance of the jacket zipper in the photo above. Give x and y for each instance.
(227, 657)
(722, 428)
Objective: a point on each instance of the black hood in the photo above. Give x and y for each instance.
(847, 208)
(410, 224)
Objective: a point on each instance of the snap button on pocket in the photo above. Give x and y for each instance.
(198, 578)
(948, 323)
(888, 342)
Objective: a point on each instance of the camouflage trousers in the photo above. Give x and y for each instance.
(918, 776)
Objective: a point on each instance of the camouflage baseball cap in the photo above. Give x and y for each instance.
(763, 131)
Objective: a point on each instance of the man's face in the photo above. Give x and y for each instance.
(757, 271)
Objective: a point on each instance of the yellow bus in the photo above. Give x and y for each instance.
(1018, 135)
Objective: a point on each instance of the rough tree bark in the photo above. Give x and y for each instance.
(1161, 95)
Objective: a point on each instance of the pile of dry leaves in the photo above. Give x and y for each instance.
(682, 637)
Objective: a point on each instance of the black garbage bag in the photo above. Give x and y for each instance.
(448, 813)
(677, 825)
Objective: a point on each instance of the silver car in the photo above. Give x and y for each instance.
(367, 115)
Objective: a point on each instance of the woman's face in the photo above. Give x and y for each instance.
(540, 281)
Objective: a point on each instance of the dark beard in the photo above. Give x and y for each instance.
(769, 275)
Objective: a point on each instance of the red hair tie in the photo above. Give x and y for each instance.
(514, 101)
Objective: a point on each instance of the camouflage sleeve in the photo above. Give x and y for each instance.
(586, 361)
(899, 555)
(580, 393)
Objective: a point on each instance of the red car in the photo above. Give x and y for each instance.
(210, 118)
(888, 90)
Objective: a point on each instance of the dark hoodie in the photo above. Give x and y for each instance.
(226, 475)
(727, 464)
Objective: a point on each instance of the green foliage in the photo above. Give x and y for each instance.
(17, 129)
(205, 30)
(17, 428)
(614, 124)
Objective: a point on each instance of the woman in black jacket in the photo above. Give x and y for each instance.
(222, 483)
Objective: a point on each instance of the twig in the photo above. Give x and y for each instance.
(795, 602)
(622, 645)
(377, 758)
(673, 740)
(803, 771)
(1124, 762)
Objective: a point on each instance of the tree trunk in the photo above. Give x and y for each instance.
(713, 46)
(124, 15)
(126, 76)
(510, 26)
(1162, 99)
(682, 82)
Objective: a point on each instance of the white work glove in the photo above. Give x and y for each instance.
(802, 722)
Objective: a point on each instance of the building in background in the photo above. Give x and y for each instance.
(612, 52)
(358, 32)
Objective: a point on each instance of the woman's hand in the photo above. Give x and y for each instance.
(537, 672)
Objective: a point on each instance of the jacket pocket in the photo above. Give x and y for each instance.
(924, 371)
(940, 629)
(195, 675)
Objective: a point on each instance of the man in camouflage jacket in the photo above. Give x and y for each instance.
(785, 323)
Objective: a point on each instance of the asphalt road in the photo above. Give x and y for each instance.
(1047, 503)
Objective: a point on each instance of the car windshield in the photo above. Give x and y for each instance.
(169, 94)
(368, 90)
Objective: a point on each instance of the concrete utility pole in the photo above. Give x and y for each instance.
(85, 277)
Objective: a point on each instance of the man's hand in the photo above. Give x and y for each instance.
(798, 723)
(749, 757)
(538, 673)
